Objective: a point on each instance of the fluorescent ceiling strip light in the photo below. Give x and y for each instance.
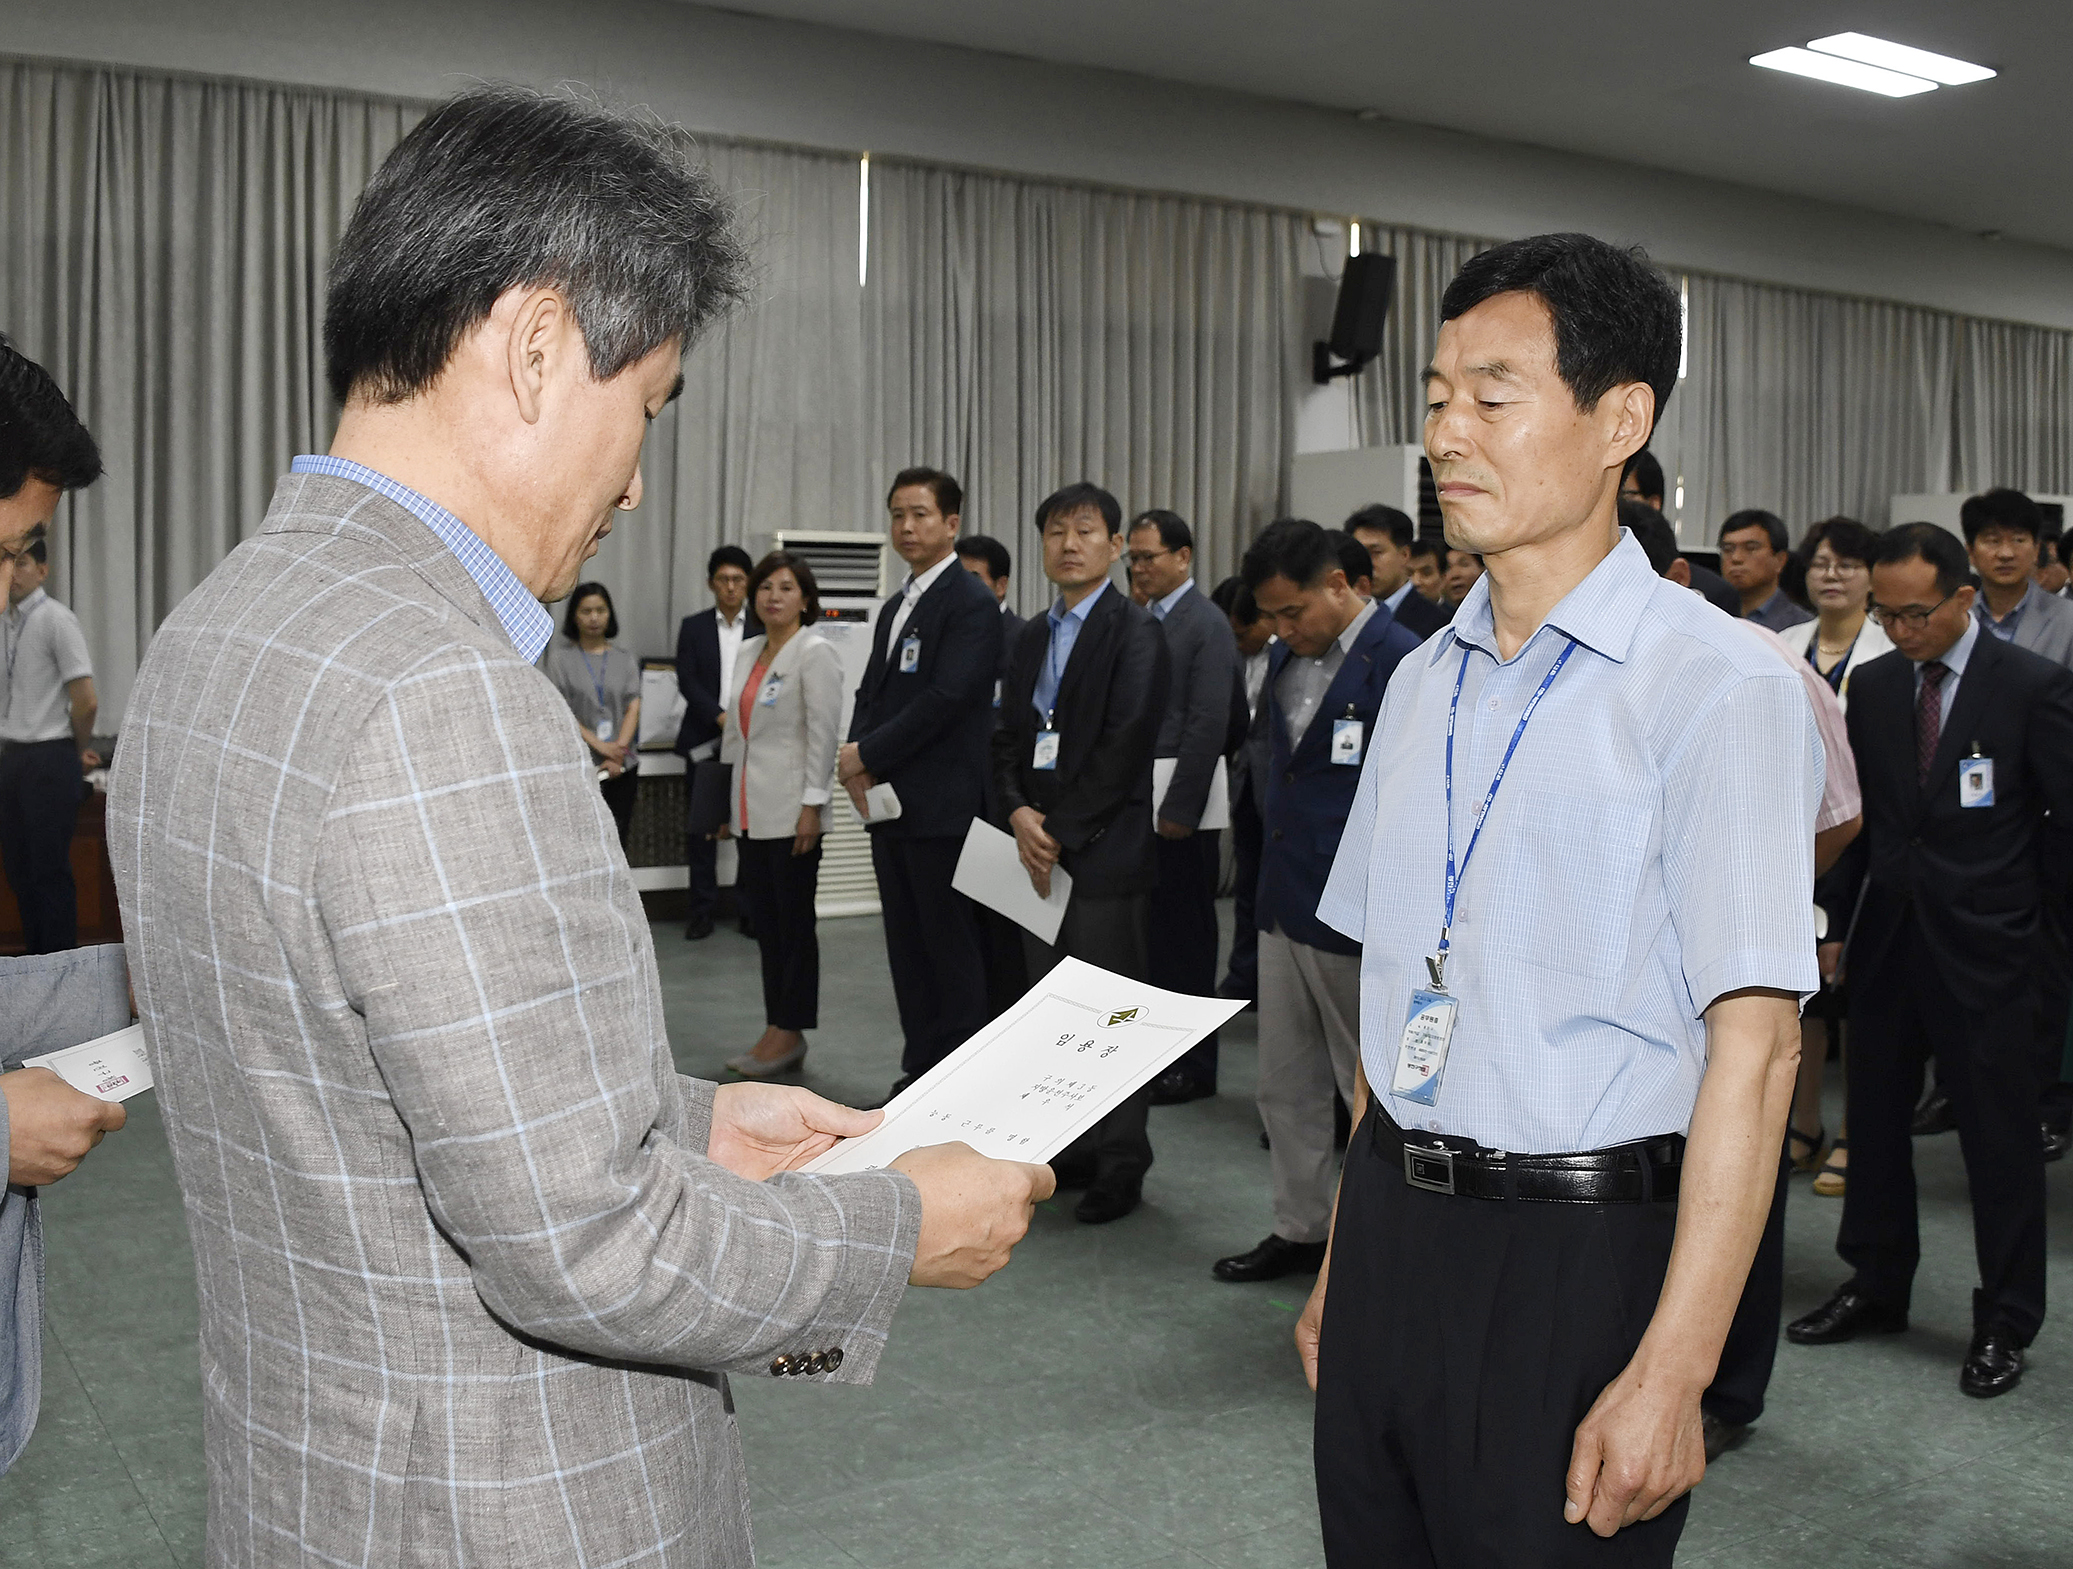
(1866, 50)
(1844, 73)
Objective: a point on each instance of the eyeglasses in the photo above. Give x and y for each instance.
(1139, 558)
(1841, 566)
(1913, 617)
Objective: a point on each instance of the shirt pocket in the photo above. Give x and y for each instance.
(1566, 888)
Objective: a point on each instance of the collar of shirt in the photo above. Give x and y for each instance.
(1953, 658)
(1356, 626)
(919, 585)
(28, 603)
(524, 619)
(1598, 612)
(736, 624)
(1395, 600)
(1058, 614)
(1161, 607)
(2005, 626)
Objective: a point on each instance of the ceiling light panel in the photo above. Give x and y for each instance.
(1844, 73)
(1867, 50)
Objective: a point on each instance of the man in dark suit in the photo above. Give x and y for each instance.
(1193, 732)
(988, 560)
(1387, 535)
(1963, 744)
(924, 710)
(707, 642)
(1325, 681)
(1072, 760)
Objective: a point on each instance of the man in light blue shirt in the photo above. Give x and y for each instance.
(1577, 866)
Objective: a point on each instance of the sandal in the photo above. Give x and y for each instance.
(1803, 1163)
(1829, 1183)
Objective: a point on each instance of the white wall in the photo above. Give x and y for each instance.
(792, 82)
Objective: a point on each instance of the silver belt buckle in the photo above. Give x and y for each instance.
(1430, 1169)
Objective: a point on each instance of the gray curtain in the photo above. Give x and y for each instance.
(1388, 397)
(1024, 334)
(2014, 407)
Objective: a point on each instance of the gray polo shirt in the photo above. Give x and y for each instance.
(598, 688)
(41, 651)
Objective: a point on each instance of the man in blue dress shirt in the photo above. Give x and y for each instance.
(1577, 865)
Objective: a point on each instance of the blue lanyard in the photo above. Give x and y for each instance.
(1437, 964)
(597, 681)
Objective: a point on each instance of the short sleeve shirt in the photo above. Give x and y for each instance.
(42, 650)
(599, 688)
(1650, 850)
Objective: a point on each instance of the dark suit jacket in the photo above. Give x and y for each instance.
(1717, 590)
(925, 731)
(1420, 617)
(1309, 795)
(1973, 877)
(1098, 802)
(1011, 630)
(1195, 728)
(698, 674)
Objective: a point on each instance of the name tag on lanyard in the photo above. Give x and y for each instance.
(1976, 781)
(1044, 755)
(910, 654)
(1421, 1055)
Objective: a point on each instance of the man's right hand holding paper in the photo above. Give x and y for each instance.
(1039, 851)
(973, 1211)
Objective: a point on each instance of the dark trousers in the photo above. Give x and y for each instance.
(932, 947)
(703, 889)
(1463, 1341)
(620, 795)
(777, 889)
(1243, 975)
(2054, 1006)
(1744, 1374)
(1182, 942)
(1902, 1014)
(1110, 933)
(40, 789)
(1007, 977)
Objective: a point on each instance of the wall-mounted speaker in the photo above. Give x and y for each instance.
(1365, 289)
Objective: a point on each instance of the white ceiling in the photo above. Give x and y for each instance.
(1665, 84)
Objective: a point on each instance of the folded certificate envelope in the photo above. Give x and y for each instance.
(110, 1068)
(1079, 1043)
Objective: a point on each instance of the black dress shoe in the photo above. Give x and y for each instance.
(1721, 1436)
(1934, 1115)
(698, 930)
(1272, 1259)
(1993, 1366)
(1844, 1316)
(2056, 1142)
(1108, 1201)
(1174, 1087)
(1072, 1173)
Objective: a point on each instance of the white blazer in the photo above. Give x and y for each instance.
(1871, 643)
(788, 758)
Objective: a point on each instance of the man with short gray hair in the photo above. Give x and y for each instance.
(474, 1260)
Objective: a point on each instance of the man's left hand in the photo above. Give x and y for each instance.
(849, 762)
(762, 1129)
(1638, 1451)
(89, 759)
(1169, 829)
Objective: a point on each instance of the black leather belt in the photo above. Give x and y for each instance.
(1637, 1173)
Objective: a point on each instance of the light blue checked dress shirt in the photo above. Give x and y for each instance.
(525, 621)
(1651, 850)
(1065, 631)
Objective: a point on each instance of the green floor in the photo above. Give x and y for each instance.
(1103, 1402)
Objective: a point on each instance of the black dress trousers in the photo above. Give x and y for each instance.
(932, 947)
(1183, 940)
(777, 890)
(1463, 1342)
(40, 790)
(1902, 1013)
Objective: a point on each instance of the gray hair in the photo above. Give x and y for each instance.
(506, 187)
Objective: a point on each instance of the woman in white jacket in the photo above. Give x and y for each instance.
(783, 710)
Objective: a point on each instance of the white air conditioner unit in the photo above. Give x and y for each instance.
(853, 573)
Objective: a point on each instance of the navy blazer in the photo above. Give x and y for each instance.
(698, 674)
(927, 731)
(1308, 795)
(1097, 803)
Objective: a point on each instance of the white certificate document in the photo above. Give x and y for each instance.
(1079, 1043)
(990, 872)
(110, 1068)
(1216, 807)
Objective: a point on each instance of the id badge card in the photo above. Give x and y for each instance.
(1976, 782)
(910, 654)
(1421, 1056)
(1044, 756)
(768, 697)
(1346, 739)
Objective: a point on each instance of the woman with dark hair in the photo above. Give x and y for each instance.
(602, 685)
(781, 731)
(1837, 553)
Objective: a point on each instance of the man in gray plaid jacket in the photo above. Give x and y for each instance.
(474, 1260)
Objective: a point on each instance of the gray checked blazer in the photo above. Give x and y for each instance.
(469, 1285)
